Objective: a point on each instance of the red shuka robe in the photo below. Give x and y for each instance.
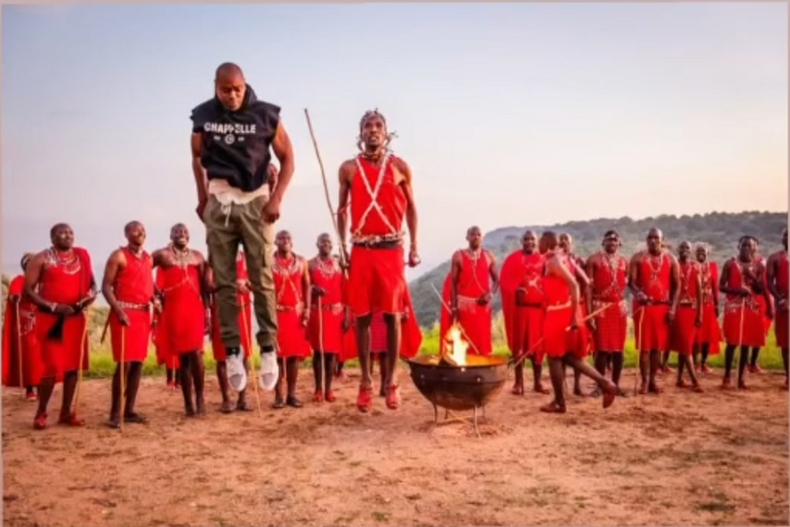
(651, 330)
(324, 328)
(684, 329)
(781, 314)
(158, 334)
(134, 289)
(183, 321)
(608, 285)
(291, 334)
(523, 323)
(557, 339)
(744, 317)
(20, 340)
(243, 320)
(475, 320)
(65, 279)
(709, 332)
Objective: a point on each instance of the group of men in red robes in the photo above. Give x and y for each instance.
(675, 307)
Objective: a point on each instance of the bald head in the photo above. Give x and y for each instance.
(230, 86)
(135, 234)
(565, 242)
(179, 235)
(62, 237)
(529, 242)
(475, 237)
(655, 240)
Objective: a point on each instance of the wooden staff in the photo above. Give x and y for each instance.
(740, 343)
(19, 347)
(326, 194)
(250, 364)
(321, 347)
(639, 351)
(535, 346)
(123, 374)
(83, 345)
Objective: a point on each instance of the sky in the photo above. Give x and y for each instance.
(509, 114)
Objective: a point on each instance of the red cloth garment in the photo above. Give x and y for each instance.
(134, 289)
(378, 207)
(183, 316)
(684, 331)
(20, 339)
(608, 285)
(65, 279)
(291, 334)
(781, 315)
(557, 339)
(325, 327)
(475, 320)
(158, 335)
(523, 322)
(709, 332)
(651, 330)
(376, 280)
(743, 316)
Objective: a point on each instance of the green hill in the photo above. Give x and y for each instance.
(719, 230)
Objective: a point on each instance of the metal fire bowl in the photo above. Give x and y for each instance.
(459, 387)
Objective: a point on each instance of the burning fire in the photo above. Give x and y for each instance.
(455, 347)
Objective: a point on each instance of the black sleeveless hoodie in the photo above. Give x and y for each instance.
(236, 143)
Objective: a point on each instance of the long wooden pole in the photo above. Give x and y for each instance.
(342, 250)
(19, 348)
(83, 345)
(250, 362)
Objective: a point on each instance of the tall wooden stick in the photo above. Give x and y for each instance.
(19, 348)
(639, 350)
(321, 347)
(83, 345)
(326, 193)
(251, 361)
(123, 373)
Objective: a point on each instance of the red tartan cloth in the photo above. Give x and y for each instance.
(610, 326)
(27, 337)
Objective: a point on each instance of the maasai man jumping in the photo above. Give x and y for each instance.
(60, 282)
(608, 273)
(576, 267)
(379, 187)
(327, 313)
(232, 135)
(292, 287)
(742, 281)
(185, 310)
(467, 291)
(709, 333)
(128, 286)
(688, 314)
(653, 280)
(245, 330)
(521, 291)
(778, 285)
(21, 350)
(565, 335)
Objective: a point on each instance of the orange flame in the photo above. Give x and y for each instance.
(455, 347)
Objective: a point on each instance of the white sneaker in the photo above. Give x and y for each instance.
(237, 374)
(269, 371)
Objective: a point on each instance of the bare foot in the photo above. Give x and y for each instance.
(553, 408)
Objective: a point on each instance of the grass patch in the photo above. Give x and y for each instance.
(102, 365)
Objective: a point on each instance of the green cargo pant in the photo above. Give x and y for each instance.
(224, 232)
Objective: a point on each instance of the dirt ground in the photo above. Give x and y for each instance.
(718, 458)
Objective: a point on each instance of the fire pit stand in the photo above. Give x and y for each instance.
(459, 388)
